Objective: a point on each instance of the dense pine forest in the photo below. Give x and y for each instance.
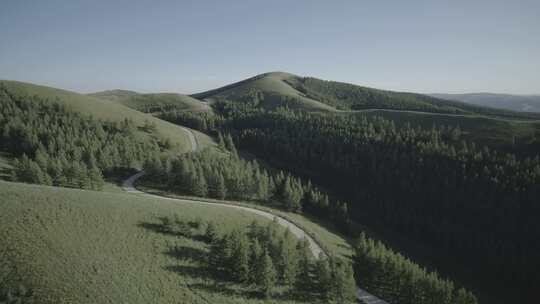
(60, 147)
(477, 204)
(225, 175)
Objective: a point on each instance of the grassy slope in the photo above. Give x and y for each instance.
(273, 86)
(138, 101)
(89, 247)
(101, 109)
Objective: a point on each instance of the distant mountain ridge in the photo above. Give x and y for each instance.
(521, 103)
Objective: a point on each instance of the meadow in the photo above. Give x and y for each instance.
(77, 246)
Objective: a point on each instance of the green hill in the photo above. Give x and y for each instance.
(75, 246)
(153, 101)
(268, 90)
(101, 109)
(271, 90)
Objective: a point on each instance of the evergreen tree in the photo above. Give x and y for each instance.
(229, 144)
(323, 275)
(255, 256)
(287, 260)
(240, 256)
(199, 187)
(303, 277)
(266, 277)
(221, 142)
(211, 233)
(221, 190)
(96, 178)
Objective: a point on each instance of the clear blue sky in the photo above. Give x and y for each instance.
(188, 46)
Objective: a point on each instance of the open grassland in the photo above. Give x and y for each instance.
(74, 246)
(101, 109)
(150, 101)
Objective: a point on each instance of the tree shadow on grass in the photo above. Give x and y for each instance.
(209, 280)
(187, 253)
(165, 226)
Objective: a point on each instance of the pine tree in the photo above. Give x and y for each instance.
(255, 255)
(266, 277)
(229, 144)
(96, 178)
(344, 285)
(303, 276)
(211, 233)
(465, 297)
(199, 187)
(221, 190)
(287, 260)
(221, 142)
(218, 255)
(240, 256)
(291, 195)
(323, 275)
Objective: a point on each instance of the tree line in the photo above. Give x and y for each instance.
(396, 279)
(224, 175)
(57, 146)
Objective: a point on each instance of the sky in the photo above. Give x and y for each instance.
(191, 46)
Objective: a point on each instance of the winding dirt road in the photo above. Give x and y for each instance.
(316, 250)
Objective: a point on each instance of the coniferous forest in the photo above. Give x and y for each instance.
(63, 148)
(476, 203)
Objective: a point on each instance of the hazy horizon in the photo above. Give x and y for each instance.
(189, 46)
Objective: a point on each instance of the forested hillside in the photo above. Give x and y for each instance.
(54, 145)
(99, 109)
(477, 204)
(210, 174)
(272, 90)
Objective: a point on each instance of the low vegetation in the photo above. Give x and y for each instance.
(154, 102)
(71, 246)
